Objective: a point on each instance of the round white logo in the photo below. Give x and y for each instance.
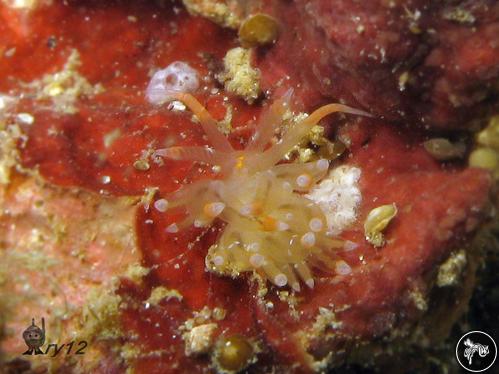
(476, 351)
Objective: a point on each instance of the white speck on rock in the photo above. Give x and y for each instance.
(199, 339)
(176, 106)
(26, 118)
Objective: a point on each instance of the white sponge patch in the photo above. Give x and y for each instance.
(338, 196)
(176, 77)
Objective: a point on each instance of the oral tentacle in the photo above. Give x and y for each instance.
(216, 138)
(269, 122)
(299, 130)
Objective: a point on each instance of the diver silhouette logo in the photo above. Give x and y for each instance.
(34, 337)
(476, 351)
(483, 350)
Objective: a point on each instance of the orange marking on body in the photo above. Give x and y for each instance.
(269, 223)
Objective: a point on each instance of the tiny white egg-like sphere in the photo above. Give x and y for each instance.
(161, 205)
(246, 210)
(256, 260)
(343, 268)
(218, 261)
(253, 247)
(308, 240)
(310, 283)
(198, 223)
(316, 224)
(280, 280)
(173, 228)
(282, 226)
(322, 164)
(350, 246)
(303, 180)
(212, 210)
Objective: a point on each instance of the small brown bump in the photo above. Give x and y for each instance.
(442, 149)
(141, 165)
(258, 29)
(234, 353)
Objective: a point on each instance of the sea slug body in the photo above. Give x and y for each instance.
(272, 226)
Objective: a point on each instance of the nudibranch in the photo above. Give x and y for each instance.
(271, 227)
